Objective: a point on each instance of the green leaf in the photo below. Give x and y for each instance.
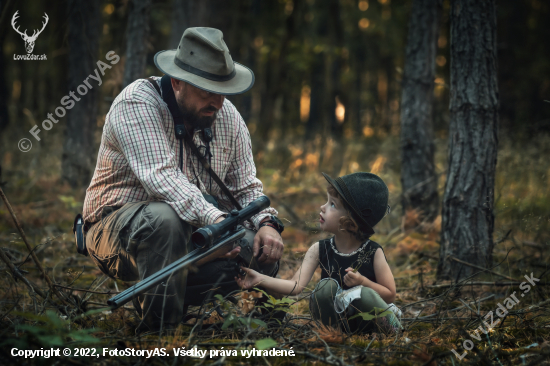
(229, 321)
(265, 343)
(368, 316)
(258, 323)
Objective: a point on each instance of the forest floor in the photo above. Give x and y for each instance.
(438, 317)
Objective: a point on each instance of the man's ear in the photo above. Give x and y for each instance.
(177, 85)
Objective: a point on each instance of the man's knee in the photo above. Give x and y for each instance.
(162, 217)
(165, 221)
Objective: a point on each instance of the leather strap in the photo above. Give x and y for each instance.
(154, 83)
(171, 101)
(207, 166)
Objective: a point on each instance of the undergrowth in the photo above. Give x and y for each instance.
(437, 316)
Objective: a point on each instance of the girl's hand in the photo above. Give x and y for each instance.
(352, 279)
(251, 279)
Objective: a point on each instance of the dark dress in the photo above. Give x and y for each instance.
(333, 266)
(333, 263)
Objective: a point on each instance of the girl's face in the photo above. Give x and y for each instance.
(330, 215)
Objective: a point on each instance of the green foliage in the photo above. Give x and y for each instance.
(274, 304)
(265, 343)
(369, 316)
(70, 202)
(233, 320)
(48, 330)
(236, 322)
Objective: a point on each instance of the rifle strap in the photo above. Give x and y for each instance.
(182, 135)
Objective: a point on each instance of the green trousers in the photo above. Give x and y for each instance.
(322, 308)
(133, 242)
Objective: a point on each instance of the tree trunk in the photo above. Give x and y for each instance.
(467, 218)
(277, 74)
(137, 35)
(83, 40)
(179, 22)
(5, 12)
(418, 177)
(336, 27)
(316, 120)
(200, 13)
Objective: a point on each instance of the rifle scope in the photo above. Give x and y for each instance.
(206, 236)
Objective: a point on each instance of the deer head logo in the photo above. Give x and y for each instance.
(29, 41)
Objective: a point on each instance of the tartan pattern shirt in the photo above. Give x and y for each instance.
(138, 160)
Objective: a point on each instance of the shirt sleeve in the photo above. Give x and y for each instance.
(241, 176)
(139, 133)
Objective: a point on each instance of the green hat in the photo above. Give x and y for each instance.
(202, 59)
(366, 194)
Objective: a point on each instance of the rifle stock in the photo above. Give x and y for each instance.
(208, 240)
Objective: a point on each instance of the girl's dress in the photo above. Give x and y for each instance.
(334, 303)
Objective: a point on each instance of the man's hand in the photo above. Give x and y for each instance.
(271, 243)
(231, 253)
(352, 279)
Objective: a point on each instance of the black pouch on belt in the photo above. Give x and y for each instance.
(80, 238)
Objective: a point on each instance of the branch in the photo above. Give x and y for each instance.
(481, 268)
(33, 255)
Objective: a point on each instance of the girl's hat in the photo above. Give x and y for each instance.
(367, 196)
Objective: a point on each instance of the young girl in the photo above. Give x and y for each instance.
(355, 275)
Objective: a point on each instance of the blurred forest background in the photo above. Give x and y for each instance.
(327, 97)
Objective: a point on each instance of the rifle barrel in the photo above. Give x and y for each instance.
(196, 255)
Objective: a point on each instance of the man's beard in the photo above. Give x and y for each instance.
(192, 117)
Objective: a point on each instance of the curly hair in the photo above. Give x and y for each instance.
(347, 222)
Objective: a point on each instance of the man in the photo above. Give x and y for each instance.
(148, 191)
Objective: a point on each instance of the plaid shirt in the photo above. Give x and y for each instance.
(138, 160)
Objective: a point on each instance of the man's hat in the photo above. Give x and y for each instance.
(202, 59)
(367, 196)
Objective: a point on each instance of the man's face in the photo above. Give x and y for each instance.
(199, 107)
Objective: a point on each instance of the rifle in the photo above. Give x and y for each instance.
(207, 240)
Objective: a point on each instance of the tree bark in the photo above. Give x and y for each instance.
(5, 12)
(467, 218)
(179, 21)
(316, 120)
(277, 74)
(336, 27)
(200, 13)
(83, 40)
(418, 177)
(137, 34)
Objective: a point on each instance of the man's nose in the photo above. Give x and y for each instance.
(216, 100)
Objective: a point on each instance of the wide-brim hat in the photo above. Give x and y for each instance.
(366, 194)
(202, 59)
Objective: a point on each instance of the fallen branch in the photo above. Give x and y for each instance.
(455, 309)
(93, 292)
(483, 283)
(17, 273)
(33, 255)
(481, 268)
